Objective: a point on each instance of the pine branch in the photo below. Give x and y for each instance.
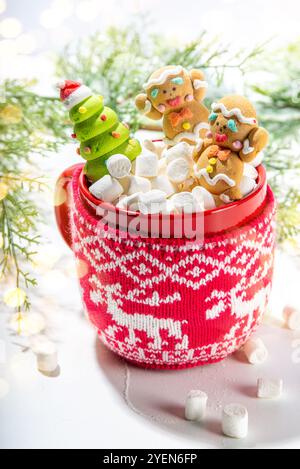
(30, 125)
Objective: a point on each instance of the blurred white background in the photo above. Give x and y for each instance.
(31, 32)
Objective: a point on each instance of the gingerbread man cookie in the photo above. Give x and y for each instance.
(234, 139)
(176, 95)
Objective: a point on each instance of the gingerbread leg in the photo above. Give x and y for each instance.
(233, 193)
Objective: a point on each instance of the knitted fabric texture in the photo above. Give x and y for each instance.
(164, 304)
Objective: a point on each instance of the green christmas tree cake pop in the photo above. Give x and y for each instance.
(97, 128)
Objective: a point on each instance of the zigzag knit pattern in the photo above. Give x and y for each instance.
(162, 304)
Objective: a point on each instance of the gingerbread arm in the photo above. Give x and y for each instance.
(145, 107)
(199, 84)
(256, 142)
(198, 151)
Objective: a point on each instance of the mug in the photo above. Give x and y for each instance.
(170, 302)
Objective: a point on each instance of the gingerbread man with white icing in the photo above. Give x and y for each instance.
(176, 95)
(234, 139)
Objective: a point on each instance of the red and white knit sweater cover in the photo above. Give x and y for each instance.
(160, 304)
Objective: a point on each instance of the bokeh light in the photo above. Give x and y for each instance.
(49, 19)
(88, 10)
(27, 324)
(3, 190)
(10, 28)
(2, 6)
(26, 44)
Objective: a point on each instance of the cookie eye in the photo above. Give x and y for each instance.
(174, 88)
(154, 92)
(212, 117)
(165, 91)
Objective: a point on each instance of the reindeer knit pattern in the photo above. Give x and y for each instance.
(167, 304)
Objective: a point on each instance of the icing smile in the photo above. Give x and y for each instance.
(221, 138)
(174, 102)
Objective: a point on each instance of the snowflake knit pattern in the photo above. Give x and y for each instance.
(164, 304)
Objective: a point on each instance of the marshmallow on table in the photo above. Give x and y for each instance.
(181, 150)
(292, 318)
(46, 354)
(185, 202)
(152, 202)
(235, 421)
(118, 166)
(178, 170)
(164, 184)
(107, 189)
(195, 407)
(203, 196)
(138, 184)
(147, 165)
(269, 388)
(255, 351)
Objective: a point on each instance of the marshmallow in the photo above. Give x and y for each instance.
(118, 166)
(138, 184)
(269, 388)
(185, 202)
(292, 318)
(257, 160)
(195, 407)
(181, 150)
(170, 208)
(178, 170)
(46, 354)
(107, 189)
(125, 182)
(152, 202)
(235, 421)
(162, 167)
(164, 184)
(155, 147)
(247, 185)
(130, 202)
(147, 165)
(255, 351)
(202, 195)
(250, 171)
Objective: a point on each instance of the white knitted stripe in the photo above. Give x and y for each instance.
(209, 260)
(94, 256)
(216, 351)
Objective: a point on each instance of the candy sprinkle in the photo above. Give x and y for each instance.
(87, 150)
(103, 117)
(115, 135)
(186, 126)
(82, 110)
(74, 136)
(209, 169)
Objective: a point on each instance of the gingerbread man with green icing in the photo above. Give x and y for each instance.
(176, 95)
(234, 139)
